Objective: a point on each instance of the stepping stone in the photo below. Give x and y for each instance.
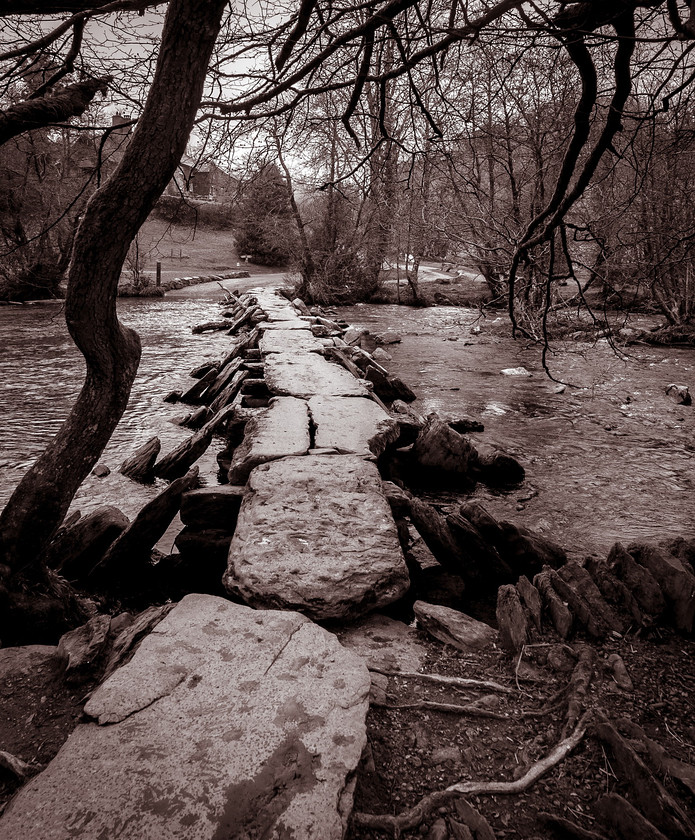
(289, 341)
(283, 429)
(316, 534)
(352, 425)
(308, 374)
(227, 722)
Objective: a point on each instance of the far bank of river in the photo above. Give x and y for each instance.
(610, 459)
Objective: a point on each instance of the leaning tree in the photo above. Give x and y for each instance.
(224, 65)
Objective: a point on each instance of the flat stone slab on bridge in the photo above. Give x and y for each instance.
(308, 374)
(281, 429)
(316, 534)
(352, 425)
(228, 722)
(289, 341)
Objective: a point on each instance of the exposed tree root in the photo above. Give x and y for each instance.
(469, 709)
(457, 682)
(567, 829)
(416, 815)
(578, 686)
(645, 790)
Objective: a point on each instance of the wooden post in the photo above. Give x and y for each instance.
(159, 273)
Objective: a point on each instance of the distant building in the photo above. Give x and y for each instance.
(201, 179)
(193, 178)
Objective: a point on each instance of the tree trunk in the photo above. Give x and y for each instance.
(112, 352)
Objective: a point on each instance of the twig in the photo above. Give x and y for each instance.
(416, 815)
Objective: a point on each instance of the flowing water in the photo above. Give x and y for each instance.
(610, 458)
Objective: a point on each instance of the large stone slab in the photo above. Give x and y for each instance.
(307, 375)
(227, 723)
(289, 341)
(316, 534)
(352, 425)
(283, 429)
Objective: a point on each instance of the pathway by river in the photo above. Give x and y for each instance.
(609, 460)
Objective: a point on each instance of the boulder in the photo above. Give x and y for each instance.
(227, 722)
(497, 468)
(176, 463)
(638, 579)
(316, 534)
(388, 388)
(130, 553)
(675, 581)
(511, 619)
(454, 628)
(208, 546)
(84, 647)
(444, 452)
(140, 465)
(281, 430)
(76, 550)
(527, 551)
(680, 394)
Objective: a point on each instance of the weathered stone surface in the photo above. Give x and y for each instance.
(78, 548)
(511, 619)
(676, 582)
(212, 507)
(84, 646)
(352, 425)
(384, 643)
(453, 627)
(308, 374)
(283, 429)
(441, 449)
(316, 534)
(139, 466)
(638, 579)
(226, 723)
(289, 341)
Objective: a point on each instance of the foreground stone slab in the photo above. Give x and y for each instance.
(283, 429)
(289, 341)
(316, 534)
(227, 723)
(352, 425)
(307, 375)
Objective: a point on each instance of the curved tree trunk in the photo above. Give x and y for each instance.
(112, 352)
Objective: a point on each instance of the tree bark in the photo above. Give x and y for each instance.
(112, 352)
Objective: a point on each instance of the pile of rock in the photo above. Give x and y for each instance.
(631, 588)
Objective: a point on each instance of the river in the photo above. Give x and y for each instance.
(608, 458)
